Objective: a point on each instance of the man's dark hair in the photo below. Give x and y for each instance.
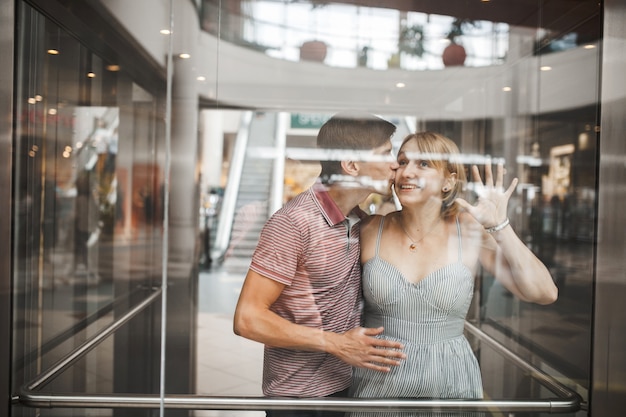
(352, 131)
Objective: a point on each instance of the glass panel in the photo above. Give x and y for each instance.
(91, 169)
(88, 213)
(532, 101)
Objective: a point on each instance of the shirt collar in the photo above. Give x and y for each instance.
(328, 207)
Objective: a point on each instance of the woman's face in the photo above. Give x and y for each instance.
(417, 179)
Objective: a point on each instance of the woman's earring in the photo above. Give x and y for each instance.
(445, 189)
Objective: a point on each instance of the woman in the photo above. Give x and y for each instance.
(419, 266)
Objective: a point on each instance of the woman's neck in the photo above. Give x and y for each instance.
(418, 220)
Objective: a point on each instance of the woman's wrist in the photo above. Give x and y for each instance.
(497, 227)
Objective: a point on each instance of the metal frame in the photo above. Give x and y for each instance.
(566, 401)
(7, 27)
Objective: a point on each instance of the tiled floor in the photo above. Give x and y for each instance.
(227, 364)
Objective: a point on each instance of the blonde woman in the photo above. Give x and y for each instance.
(419, 266)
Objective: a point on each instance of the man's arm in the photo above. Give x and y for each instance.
(254, 320)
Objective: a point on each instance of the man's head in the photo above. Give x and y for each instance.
(349, 132)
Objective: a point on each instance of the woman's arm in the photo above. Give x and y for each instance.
(502, 252)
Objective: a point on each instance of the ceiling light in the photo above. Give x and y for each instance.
(400, 85)
(507, 88)
(53, 51)
(545, 68)
(113, 68)
(184, 56)
(91, 75)
(201, 78)
(589, 46)
(165, 32)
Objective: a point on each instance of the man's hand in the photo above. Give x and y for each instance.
(359, 347)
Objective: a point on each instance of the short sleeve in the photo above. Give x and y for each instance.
(279, 250)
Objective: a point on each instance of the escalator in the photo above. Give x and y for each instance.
(254, 189)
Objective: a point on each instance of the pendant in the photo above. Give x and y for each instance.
(412, 247)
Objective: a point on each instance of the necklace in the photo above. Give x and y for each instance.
(413, 245)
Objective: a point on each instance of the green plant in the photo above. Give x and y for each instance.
(412, 40)
(458, 28)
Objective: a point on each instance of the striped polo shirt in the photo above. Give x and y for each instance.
(313, 249)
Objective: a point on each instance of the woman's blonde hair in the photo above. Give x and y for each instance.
(444, 154)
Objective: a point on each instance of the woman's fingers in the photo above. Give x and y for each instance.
(488, 174)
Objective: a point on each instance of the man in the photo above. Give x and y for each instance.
(302, 294)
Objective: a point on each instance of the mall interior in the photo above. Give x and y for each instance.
(146, 142)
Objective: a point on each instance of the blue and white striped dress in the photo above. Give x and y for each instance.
(428, 318)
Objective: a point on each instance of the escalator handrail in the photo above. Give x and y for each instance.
(227, 210)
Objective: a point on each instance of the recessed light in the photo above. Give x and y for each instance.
(113, 68)
(91, 75)
(589, 46)
(53, 51)
(201, 78)
(400, 85)
(506, 88)
(545, 68)
(165, 32)
(184, 56)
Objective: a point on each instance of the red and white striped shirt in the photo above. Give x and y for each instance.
(313, 249)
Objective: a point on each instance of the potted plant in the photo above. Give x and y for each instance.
(410, 42)
(454, 54)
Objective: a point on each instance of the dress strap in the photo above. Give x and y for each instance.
(458, 231)
(380, 234)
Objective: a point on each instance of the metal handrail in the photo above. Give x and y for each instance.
(89, 344)
(196, 402)
(567, 401)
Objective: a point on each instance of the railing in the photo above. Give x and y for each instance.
(566, 400)
(376, 38)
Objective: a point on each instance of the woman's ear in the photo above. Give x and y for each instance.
(350, 168)
(449, 183)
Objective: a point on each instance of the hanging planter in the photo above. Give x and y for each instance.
(454, 54)
(313, 51)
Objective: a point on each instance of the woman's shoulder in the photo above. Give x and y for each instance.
(467, 220)
(470, 227)
(370, 222)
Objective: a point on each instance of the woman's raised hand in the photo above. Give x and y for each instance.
(491, 207)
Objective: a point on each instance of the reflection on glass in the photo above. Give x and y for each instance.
(87, 191)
